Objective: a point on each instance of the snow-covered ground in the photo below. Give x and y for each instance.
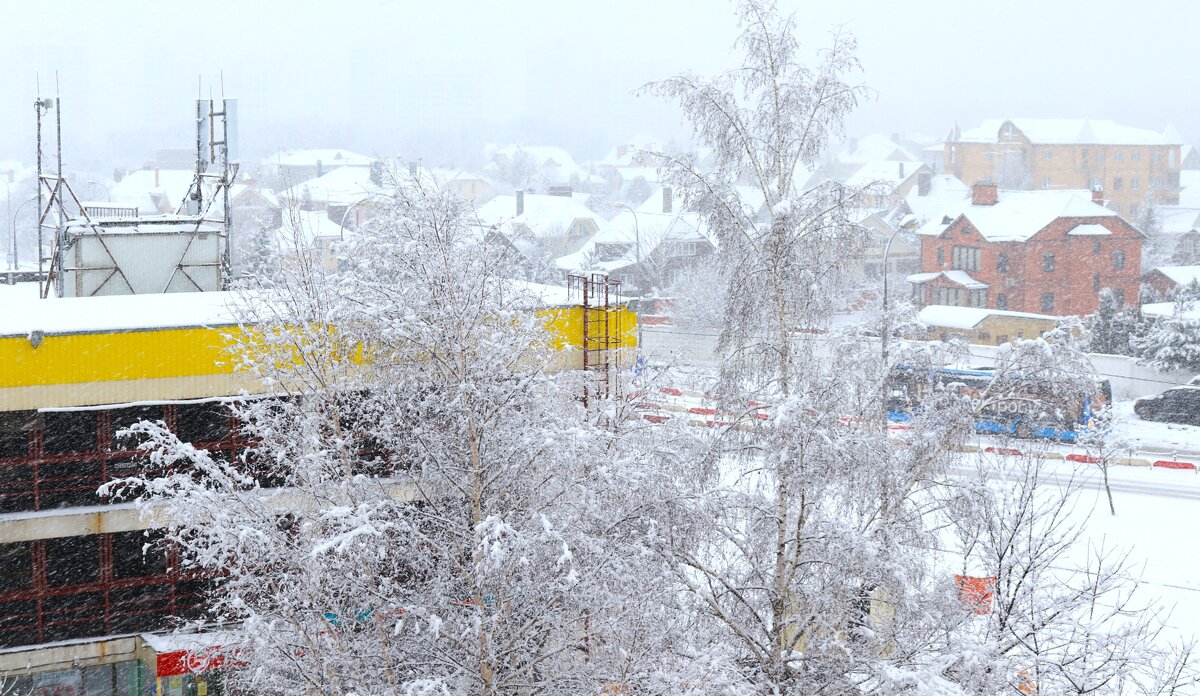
(1152, 436)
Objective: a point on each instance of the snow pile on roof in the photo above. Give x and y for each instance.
(1183, 275)
(1070, 131)
(239, 190)
(342, 186)
(968, 317)
(326, 157)
(1170, 309)
(544, 216)
(958, 277)
(153, 190)
(1018, 215)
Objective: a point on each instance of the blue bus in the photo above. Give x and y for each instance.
(1032, 412)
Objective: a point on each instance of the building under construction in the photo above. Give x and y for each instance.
(134, 326)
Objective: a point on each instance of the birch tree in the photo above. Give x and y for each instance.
(426, 508)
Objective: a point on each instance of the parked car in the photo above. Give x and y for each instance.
(1176, 405)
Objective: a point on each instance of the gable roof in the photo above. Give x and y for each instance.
(876, 147)
(1069, 131)
(957, 277)
(648, 228)
(1182, 275)
(885, 172)
(544, 216)
(342, 186)
(1018, 215)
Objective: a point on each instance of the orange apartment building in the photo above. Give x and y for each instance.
(1046, 252)
(1131, 165)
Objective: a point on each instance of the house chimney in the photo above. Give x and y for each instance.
(924, 182)
(1098, 195)
(667, 199)
(520, 201)
(901, 170)
(984, 193)
(156, 177)
(320, 168)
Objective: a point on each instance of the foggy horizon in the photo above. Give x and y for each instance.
(437, 82)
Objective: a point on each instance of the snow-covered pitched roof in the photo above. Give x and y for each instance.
(968, 317)
(327, 157)
(884, 172)
(342, 186)
(544, 216)
(148, 189)
(876, 147)
(1018, 215)
(1183, 275)
(958, 277)
(650, 228)
(632, 152)
(946, 194)
(267, 195)
(1189, 185)
(1177, 219)
(304, 226)
(1069, 131)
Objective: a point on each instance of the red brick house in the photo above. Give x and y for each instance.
(1049, 252)
(1167, 279)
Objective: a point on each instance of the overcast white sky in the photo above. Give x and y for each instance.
(436, 79)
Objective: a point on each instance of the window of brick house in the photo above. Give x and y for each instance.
(1046, 154)
(953, 154)
(1047, 302)
(1156, 158)
(1136, 156)
(1119, 293)
(1135, 183)
(1095, 282)
(1118, 259)
(1119, 156)
(1002, 263)
(1096, 247)
(966, 258)
(1118, 184)
(1048, 262)
(1001, 301)
(1171, 158)
(1045, 182)
(941, 256)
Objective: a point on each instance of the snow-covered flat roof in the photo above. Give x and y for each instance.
(968, 317)
(117, 313)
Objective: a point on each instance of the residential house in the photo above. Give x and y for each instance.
(469, 186)
(539, 226)
(1049, 252)
(153, 191)
(1167, 279)
(885, 183)
(983, 326)
(876, 147)
(345, 193)
(646, 248)
(295, 166)
(533, 167)
(1132, 165)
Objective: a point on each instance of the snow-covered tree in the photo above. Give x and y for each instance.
(1114, 328)
(427, 508)
(1172, 342)
(1057, 613)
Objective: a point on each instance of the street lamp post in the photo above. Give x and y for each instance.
(637, 259)
(14, 260)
